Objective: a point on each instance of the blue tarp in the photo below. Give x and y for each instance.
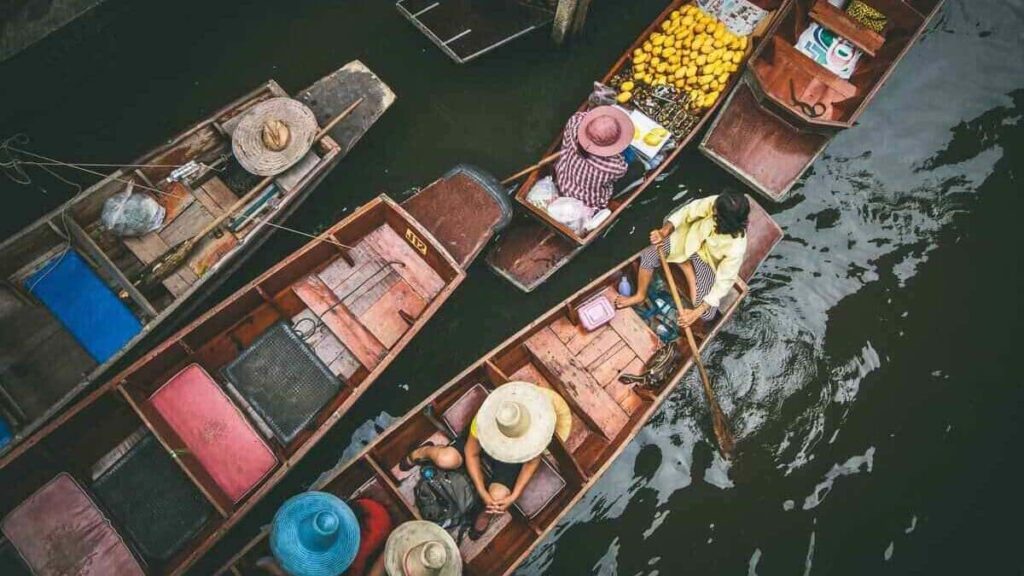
(84, 304)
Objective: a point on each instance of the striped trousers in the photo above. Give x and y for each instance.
(705, 275)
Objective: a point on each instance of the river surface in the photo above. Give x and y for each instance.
(870, 377)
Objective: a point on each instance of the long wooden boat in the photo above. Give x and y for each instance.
(764, 136)
(147, 472)
(536, 245)
(69, 303)
(555, 352)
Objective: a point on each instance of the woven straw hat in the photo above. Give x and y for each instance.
(420, 548)
(314, 534)
(273, 135)
(605, 131)
(516, 422)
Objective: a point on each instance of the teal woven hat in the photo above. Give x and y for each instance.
(314, 534)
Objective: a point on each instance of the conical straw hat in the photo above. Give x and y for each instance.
(516, 422)
(273, 136)
(420, 548)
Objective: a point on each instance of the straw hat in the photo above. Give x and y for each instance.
(605, 131)
(419, 548)
(273, 135)
(516, 422)
(314, 534)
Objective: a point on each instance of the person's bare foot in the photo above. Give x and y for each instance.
(624, 302)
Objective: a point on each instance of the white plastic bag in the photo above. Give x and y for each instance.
(543, 193)
(128, 214)
(829, 49)
(594, 221)
(571, 212)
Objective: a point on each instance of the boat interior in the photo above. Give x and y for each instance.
(637, 179)
(788, 77)
(71, 299)
(556, 352)
(177, 446)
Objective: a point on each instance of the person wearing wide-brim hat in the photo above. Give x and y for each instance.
(312, 534)
(510, 431)
(591, 161)
(273, 135)
(420, 548)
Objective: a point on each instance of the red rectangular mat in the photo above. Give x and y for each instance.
(214, 431)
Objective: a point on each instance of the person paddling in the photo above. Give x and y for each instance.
(510, 431)
(707, 237)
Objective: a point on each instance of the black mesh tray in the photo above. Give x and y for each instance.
(152, 500)
(283, 380)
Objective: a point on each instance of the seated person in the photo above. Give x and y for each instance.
(707, 237)
(591, 160)
(511, 430)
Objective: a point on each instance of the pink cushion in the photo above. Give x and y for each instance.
(59, 530)
(214, 431)
(462, 411)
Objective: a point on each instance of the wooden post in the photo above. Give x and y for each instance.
(581, 16)
(565, 18)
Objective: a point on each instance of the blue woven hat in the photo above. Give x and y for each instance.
(314, 534)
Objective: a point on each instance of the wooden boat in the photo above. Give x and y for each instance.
(161, 460)
(536, 245)
(768, 139)
(65, 272)
(552, 351)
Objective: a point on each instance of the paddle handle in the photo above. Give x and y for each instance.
(726, 442)
(547, 160)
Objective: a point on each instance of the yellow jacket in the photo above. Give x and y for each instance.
(695, 234)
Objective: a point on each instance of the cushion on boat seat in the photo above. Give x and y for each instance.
(214, 431)
(152, 500)
(283, 380)
(84, 304)
(543, 487)
(458, 416)
(59, 530)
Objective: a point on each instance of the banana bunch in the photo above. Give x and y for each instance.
(691, 51)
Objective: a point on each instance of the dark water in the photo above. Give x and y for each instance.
(870, 377)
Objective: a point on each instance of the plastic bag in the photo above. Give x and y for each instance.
(128, 214)
(594, 221)
(544, 192)
(829, 49)
(571, 212)
(602, 96)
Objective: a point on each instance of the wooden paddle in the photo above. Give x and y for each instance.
(160, 269)
(726, 443)
(547, 160)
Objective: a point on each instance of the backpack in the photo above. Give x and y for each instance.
(446, 497)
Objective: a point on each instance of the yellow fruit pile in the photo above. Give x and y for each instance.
(693, 52)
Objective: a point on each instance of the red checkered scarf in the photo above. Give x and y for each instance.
(582, 175)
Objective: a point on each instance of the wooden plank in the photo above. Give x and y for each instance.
(147, 248)
(189, 223)
(599, 349)
(339, 270)
(414, 270)
(635, 333)
(575, 384)
(207, 201)
(219, 192)
(529, 373)
(564, 329)
(610, 367)
(175, 200)
(384, 318)
(584, 338)
(319, 298)
(207, 254)
(373, 289)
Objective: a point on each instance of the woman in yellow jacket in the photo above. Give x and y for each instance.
(707, 237)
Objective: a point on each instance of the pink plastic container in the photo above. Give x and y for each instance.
(595, 313)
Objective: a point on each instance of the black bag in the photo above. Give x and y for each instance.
(446, 497)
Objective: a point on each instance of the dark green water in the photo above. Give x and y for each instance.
(871, 377)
